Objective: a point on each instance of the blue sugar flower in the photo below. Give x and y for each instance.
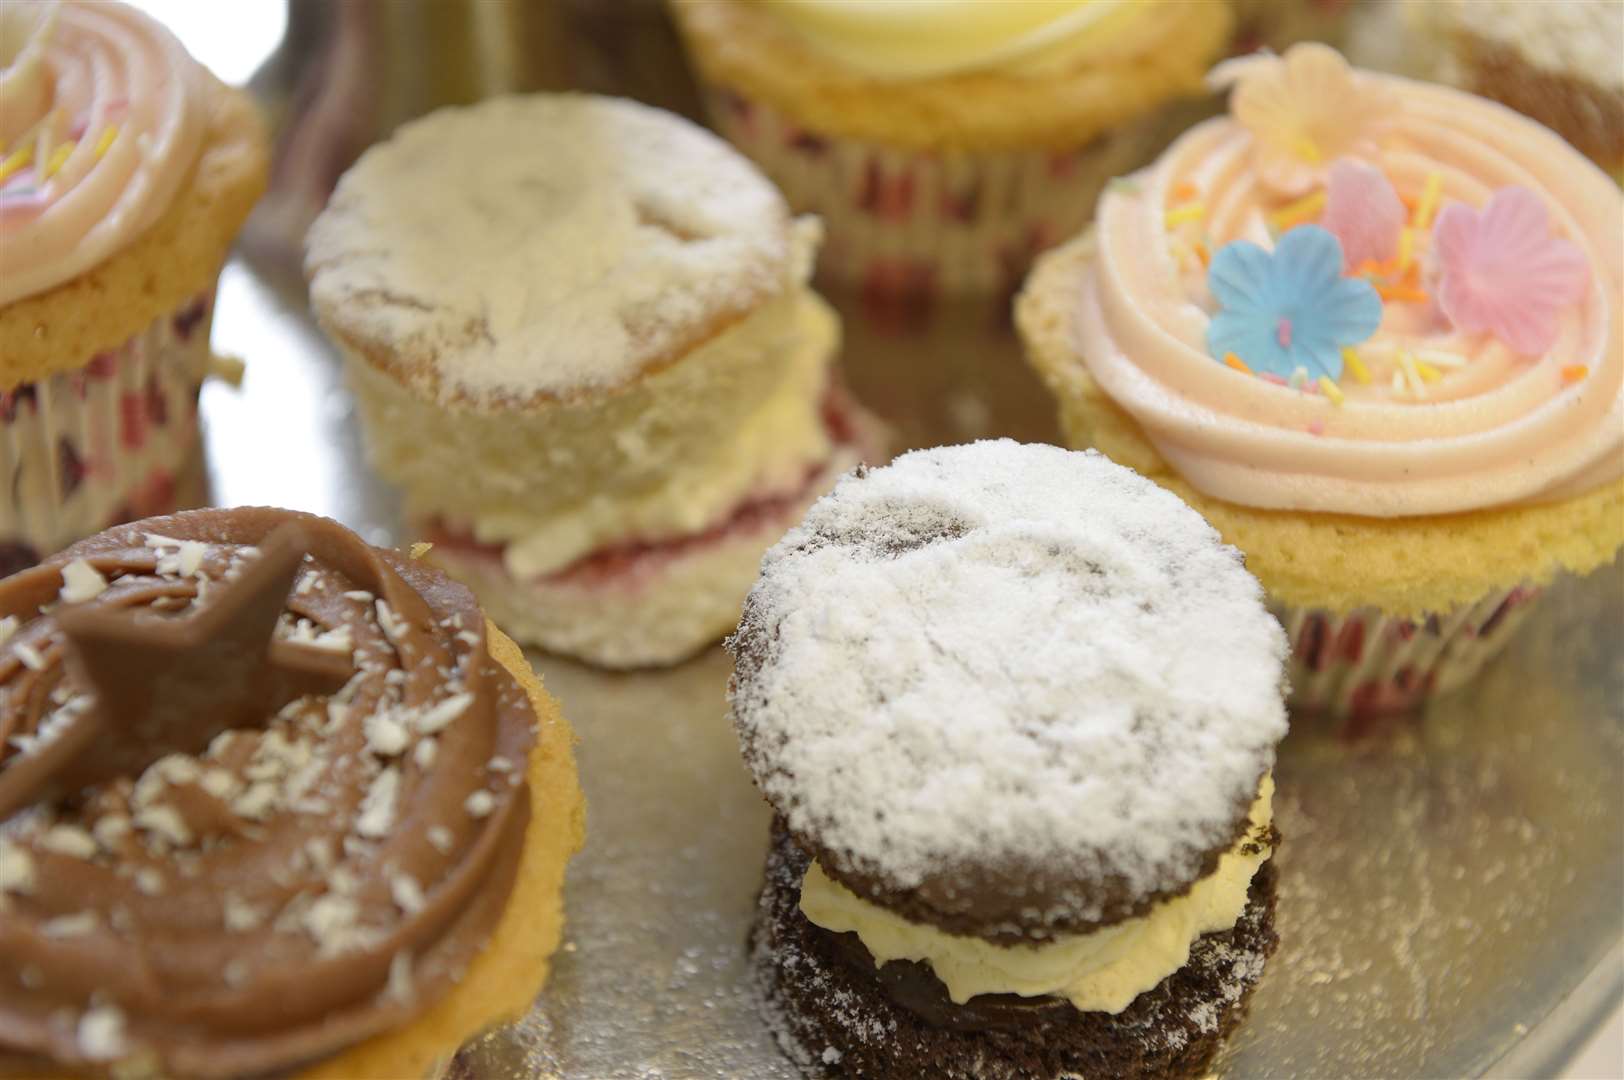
(1291, 307)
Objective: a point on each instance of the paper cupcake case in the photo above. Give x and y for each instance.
(112, 441)
(1365, 662)
(922, 224)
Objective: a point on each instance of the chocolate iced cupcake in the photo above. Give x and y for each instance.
(272, 802)
(1016, 709)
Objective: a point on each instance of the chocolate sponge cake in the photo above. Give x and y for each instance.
(1016, 710)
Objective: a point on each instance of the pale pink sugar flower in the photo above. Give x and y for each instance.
(1502, 270)
(1304, 110)
(1362, 210)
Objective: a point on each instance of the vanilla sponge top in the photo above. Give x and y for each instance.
(545, 247)
(1023, 686)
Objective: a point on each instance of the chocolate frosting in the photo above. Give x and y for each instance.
(307, 880)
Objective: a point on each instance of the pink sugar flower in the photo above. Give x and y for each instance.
(1502, 270)
(1363, 211)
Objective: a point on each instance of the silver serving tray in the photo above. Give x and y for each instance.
(1451, 882)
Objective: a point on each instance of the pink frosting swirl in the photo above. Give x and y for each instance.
(101, 119)
(1430, 418)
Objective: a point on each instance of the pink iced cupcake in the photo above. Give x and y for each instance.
(1370, 328)
(125, 172)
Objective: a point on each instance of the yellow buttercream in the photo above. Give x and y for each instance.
(922, 39)
(1118, 70)
(1101, 971)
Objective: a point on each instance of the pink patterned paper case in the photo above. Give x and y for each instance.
(115, 440)
(1364, 662)
(902, 221)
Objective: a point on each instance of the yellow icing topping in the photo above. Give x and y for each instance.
(922, 39)
(1102, 971)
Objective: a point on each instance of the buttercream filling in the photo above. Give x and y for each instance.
(1101, 971)
(668, 457)
(633, 557)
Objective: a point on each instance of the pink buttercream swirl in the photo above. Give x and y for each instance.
(1429, 417)
(101, 119)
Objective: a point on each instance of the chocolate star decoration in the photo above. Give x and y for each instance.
(165, 685)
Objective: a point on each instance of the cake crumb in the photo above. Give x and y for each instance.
(16, 869)
(69, 840)
(436, 718)
(79, 924)
(400, 978)
(407, 894)
(377, 815)
(81, 582)
(101, 1034)
(30, 656)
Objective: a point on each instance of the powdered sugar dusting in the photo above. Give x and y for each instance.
(545, 245)
(1006, 652)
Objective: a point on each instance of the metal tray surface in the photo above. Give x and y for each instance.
(1451, 882)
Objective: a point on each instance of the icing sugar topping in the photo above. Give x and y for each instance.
(544, 246)
(1009, 654)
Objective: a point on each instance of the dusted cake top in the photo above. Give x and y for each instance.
(922, 40)
(1008, 690)
(1364, 295)
(298, 882)
(541, 248)
(102, 116)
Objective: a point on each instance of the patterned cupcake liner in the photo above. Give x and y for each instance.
(919, 224)
(115, 440)
(1364, 662)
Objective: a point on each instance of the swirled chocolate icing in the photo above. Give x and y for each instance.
(295, 886)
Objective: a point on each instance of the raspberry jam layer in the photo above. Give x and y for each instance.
(638, 559)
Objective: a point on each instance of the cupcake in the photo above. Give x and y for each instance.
(1556, 61)
(125, 171)
(1370, 328)
(592, 364)
(945, 143)
(1016, 710)
(272, 802)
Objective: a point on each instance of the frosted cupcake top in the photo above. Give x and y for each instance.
(931, 38)
(102, 116)
(262, 795)
(530, 249)
(1365, 295)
